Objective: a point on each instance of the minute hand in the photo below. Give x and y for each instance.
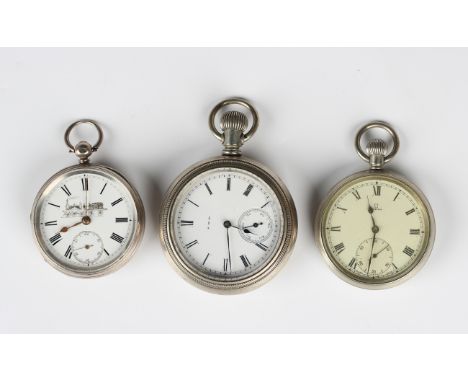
(229, 248)
(374, 229)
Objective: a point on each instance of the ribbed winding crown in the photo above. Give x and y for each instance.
(376, 147)
(234, 120)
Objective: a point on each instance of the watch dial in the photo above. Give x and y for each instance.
(86, 221)
(376, 229)
(227, 223)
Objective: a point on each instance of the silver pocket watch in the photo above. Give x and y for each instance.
(375, 229)
(87, 219)
(228, 224)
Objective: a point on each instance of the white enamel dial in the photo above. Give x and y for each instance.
(227, 223)
(86, 220)
(375, 229)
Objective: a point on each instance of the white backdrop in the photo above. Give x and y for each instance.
(154, 105)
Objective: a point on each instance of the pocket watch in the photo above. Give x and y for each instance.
(87, 219)
(376, 228)
(228, 224)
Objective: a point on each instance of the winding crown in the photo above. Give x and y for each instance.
(234, 120)
(377, 150)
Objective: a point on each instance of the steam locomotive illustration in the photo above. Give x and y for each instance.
(75, 207)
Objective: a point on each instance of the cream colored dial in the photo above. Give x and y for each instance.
(375, 229)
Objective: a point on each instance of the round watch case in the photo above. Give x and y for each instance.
(243, 283)
(327, 204)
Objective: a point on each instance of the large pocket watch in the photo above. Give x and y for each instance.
(87, 219)
(375, 229)
(228, 224)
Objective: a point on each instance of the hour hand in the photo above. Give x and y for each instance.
(65, 229)
(369, 208)
(245, 230)
(85, 220)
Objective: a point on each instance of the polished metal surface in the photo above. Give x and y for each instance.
(60, 177)
(376, 155)
(327, 204)
(234, 132)
(247, 132)
(235, 285)
(82, 149)
(376, 151)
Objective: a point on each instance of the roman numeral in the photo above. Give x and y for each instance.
(107, 253)
(396, 196)
(341, 208)
(68, 252)
(263, 247)
(356, 194)
(409, 212)
(248, 189)
(55, 239)
(409, 251)
(377, 190)
(52, 204)
(245, 261)
(208, 188)
(66, 190)
(121, 220)
(195, 204)
(53, 222)
(206, 258)
(339, 248)
(84, 184)
(335, 229)
(103, 188)
(116, 202)
(116, 237)
(265, 204)
(225, 265)
(191, 244)
(352, 263)
(186, 222)
(228, 185)
(414, 231)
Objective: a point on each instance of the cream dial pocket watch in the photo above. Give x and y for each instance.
(228, 224)
(375, 229)
(87, 219)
